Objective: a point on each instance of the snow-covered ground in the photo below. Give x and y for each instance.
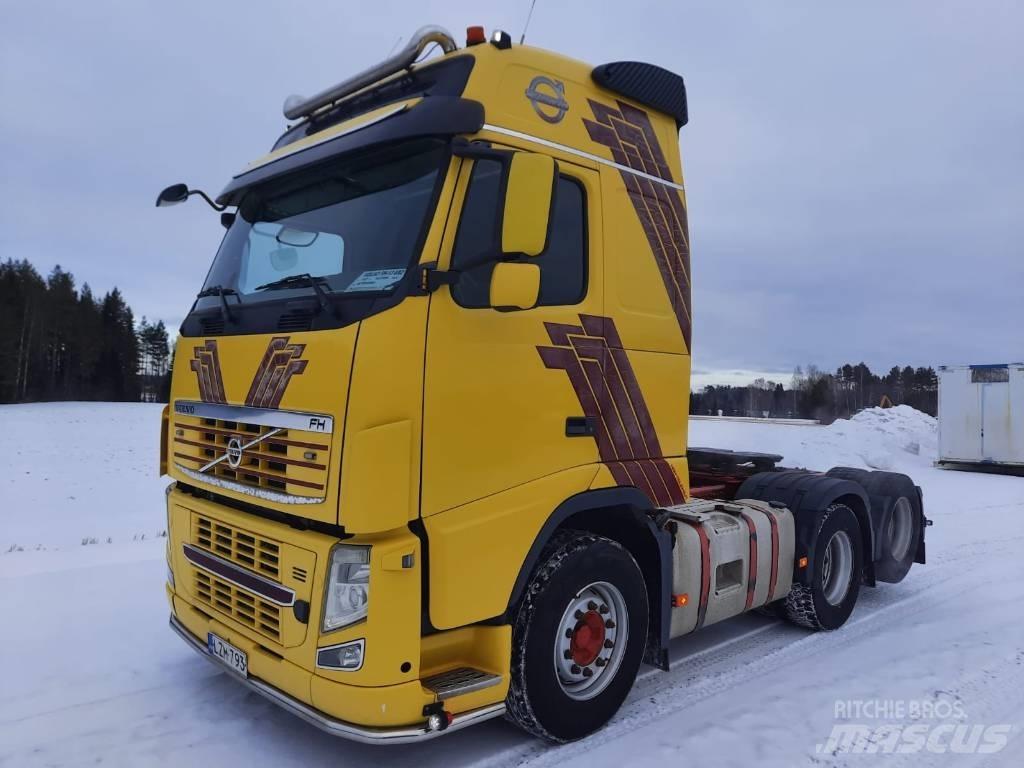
(90, 673)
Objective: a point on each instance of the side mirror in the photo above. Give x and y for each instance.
(529, 195)
(174, 194)
(515, 285)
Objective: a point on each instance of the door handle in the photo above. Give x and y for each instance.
(580, 426)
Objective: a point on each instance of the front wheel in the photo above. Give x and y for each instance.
(827, 601)
(578, 637)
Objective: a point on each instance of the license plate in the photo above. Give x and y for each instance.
(227, 654)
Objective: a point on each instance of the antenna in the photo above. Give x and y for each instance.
(527, 24)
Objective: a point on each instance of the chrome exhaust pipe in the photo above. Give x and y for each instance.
(297, 106)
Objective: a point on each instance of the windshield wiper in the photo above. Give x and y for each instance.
(221, 291)
(316, 283)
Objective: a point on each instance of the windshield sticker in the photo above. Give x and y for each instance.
(376, 280)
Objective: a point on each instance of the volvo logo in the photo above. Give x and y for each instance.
(548, 98)
(234, 452)
(235, 449)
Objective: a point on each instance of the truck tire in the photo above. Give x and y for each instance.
(827, 601)
(898, 517)
(578, 637)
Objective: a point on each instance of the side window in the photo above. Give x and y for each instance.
(563, 265)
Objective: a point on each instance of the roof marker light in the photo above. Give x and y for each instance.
(501, 39)
(475, 36)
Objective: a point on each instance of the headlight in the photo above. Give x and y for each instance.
(348, 586)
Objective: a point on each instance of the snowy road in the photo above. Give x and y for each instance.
(91, 673)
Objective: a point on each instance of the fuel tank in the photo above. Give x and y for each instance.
(729, 557)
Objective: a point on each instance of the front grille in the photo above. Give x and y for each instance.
(290, 463)
(238, 604)
(246, 549)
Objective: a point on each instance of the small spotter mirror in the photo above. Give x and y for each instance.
(174, 194)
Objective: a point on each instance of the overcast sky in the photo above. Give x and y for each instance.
(854, 172)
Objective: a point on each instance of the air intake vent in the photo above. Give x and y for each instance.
(212, 326)
(296, 320)
(299, 574)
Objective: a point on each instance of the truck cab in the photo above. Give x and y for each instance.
(428, 419)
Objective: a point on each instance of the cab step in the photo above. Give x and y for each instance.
(458, 681)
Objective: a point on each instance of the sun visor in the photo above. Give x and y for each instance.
(431, 116)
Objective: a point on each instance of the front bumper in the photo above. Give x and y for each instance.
(366, 735)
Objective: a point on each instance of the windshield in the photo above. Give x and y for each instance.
(353, 224)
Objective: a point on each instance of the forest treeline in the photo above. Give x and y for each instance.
(61, 343)
(815, 394)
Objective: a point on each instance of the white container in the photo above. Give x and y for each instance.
(981, 414)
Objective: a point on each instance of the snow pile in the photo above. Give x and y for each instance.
(888, 433)
(899, 439)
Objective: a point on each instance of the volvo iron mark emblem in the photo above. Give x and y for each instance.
(234, 452)
(235, 448)
(548, 98)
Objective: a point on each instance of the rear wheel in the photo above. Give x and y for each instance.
(578, 637)
(897, 516)
(827, 600)
(901, 531)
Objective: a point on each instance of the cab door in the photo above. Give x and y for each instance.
(495, 415)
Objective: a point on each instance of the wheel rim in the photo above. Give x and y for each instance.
(837, 567)
(901, 526)
(591, 640)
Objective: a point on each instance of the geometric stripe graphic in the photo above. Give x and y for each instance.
(628, 133)
(280, 362)
(206, 364)
(602, 377)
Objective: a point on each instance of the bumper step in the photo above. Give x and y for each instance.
(458, 681)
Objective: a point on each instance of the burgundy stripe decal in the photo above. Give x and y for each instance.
(627, 132)
(620, 474)
(671, 479)
(752, 570)
(705, 572)
(658, 494)
(607, 407)
(280, 362)
(206, 364)
(606, 386)
(775, 554)
(556, 357)
(273, 592)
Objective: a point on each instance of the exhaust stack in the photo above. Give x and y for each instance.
(296, 106)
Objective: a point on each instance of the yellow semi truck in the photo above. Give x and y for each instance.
(428, 418)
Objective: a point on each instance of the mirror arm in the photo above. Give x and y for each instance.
(206, 197)
(432, 278)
